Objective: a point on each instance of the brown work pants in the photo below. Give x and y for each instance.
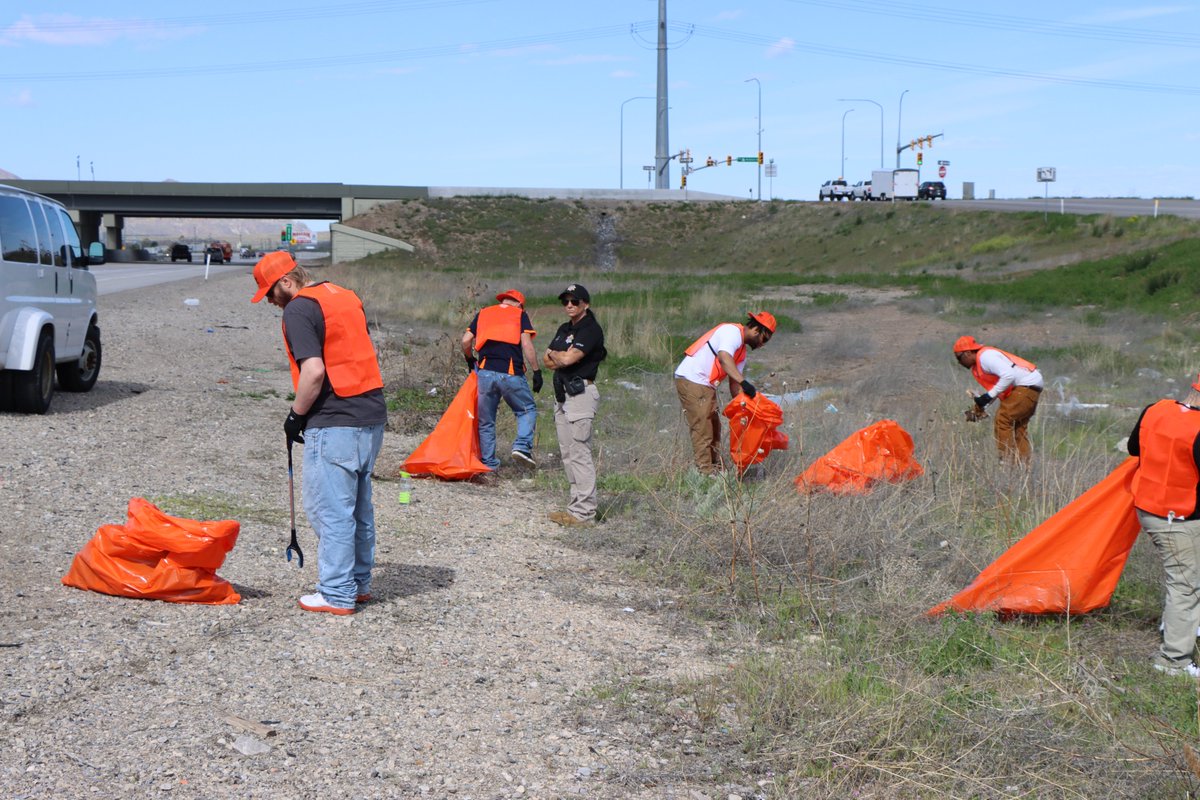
(700, 409)
(1012, 422)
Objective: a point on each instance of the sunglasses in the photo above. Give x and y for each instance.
(571, 301)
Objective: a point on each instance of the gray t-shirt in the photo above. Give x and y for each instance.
(305, 327)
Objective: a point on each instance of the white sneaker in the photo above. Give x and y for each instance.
(527, 458)
(1191, 670)
(317, 602)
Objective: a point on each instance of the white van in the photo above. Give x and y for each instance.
(48, 322)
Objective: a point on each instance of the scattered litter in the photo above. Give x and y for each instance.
(627, 610)
(249, 746)
(943, 543)
(1152, 374)
(191, 301)
(208, 330)
(831, 409)
(432, 392)
(629, 385)
(1074, 405)
(792, 398)
(1123, 445)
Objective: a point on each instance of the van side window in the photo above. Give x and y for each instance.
(72, 236)
(57, 251)
(43, 231)
(18, 242)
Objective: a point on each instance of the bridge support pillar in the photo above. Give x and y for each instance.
(113, 225)
(88, 225)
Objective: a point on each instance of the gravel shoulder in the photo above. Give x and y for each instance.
(472, 674)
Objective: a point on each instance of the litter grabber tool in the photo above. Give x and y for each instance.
(293, 545)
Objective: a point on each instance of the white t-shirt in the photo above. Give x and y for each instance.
(995, 362)
(698, 367)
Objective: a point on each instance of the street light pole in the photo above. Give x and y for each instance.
(842, 166)
(643, 97)
(759, 83)
(899, 111)
(864, 100)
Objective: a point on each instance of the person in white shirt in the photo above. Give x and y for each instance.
(718, 354)
(1017, 383)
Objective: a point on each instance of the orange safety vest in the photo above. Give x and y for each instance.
(1166, 478)
(350, 361)
(987, 380)
(718, 371)
(499, 323)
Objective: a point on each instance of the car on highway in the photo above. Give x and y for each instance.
(834, 190)
(180, 252)
(50, 328)
(861, 191)
(931, 190)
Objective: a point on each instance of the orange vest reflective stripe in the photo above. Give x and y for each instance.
(350, 362)
(987, 380)
(717, 374)
(1166, 477)
(499, 323)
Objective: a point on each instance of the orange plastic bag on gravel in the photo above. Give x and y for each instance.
(451, 451)
(879, 452)
(752, 434)
(155, 556)
(1069, 563)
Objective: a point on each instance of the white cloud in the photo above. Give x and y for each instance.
(22, 99)
(68, 30)
(781, 47)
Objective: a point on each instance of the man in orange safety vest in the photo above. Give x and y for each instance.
(1017, 383)
(717, 355)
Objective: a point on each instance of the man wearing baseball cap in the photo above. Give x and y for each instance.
(715, 356)
(502, 335)
(338, 415)
(575, 354)
(1017, 383)
(1166, 496)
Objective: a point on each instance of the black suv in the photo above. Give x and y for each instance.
(180, 252)
(931, 190)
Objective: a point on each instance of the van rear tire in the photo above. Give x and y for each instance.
(32, 391)
(81, 375)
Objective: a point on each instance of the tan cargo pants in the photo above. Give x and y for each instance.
(1178, 544)
(573, 424)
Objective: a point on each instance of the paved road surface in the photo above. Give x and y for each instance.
(117, 276)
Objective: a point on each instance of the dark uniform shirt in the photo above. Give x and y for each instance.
(497, 356)
(586, 335)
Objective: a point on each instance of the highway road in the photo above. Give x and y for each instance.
(121, 276)
(1116, 206)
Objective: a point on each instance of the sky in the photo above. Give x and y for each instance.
(559, 93)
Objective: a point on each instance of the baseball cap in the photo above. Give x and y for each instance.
(269, 269)
(576, 290)
(764, 318)
(966, 344)
(514, 294)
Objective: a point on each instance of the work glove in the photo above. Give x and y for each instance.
(974, 414)
(537, 380)
(983, 400)
(470, 363)
(748, 389)
(293, 426)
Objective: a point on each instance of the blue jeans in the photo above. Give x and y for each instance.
(337, 500)
(515, 391)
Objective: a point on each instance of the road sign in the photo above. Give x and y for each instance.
(747, 159)
(771, 171)
(685, 160)
(648, 167)
(1047, 174)
(942, 171)
(943, 163)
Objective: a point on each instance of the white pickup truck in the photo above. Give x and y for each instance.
(836, 189)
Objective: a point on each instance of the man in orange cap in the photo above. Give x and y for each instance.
(338, 415)
(718, 354)
(502, 335)
(1166, 496)
(1017, 383)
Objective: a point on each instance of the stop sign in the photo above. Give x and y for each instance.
(942, 171)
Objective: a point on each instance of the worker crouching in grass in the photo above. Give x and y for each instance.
(1166, 495)
(1017, 383)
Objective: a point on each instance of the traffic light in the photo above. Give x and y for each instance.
(683, 181)
(929, 140)
(729, 161)
(760, 156)
(709, 162)
(283, 237)
(920, 157)
(912, 144)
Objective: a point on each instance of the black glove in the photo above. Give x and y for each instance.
(748, 389)
(470, 363)
(537, 380)
(983, 400)
(293, 426)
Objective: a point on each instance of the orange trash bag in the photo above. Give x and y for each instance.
(155, 556)
(752, 434)
(451, 451)
(1069, 563)
(879, 452)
